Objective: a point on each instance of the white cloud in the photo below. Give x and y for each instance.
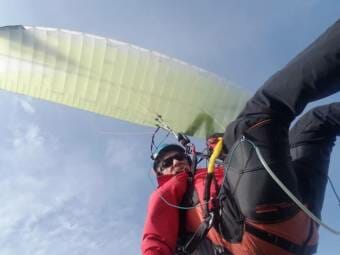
(26, 105)
(28, 137)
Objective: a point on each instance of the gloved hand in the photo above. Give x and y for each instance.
(211, 143)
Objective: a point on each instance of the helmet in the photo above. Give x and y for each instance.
(164, 148)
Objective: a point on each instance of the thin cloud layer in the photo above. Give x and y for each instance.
(56, 200)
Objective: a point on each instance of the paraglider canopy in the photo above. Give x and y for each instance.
(115, 79)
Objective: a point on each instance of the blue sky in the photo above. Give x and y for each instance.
(73, 182)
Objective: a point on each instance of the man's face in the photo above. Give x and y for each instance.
(173, 162)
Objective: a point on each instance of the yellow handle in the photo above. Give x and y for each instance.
(214, 155)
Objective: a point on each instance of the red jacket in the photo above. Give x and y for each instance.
(162, 222)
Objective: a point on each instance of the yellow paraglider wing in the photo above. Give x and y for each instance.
(115, 79)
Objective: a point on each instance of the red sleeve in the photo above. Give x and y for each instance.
(161, 224)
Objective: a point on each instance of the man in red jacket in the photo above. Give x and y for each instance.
(162, 224)
(269, 222)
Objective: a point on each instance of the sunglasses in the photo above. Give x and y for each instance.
(167, 162)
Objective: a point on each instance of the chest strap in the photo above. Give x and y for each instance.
(280, 242)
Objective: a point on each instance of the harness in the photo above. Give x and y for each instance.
(228, 219)
(190, 243)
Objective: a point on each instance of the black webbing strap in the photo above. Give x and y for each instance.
(309, 237)
(199, 235)
(191, 198)
(280, 242)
